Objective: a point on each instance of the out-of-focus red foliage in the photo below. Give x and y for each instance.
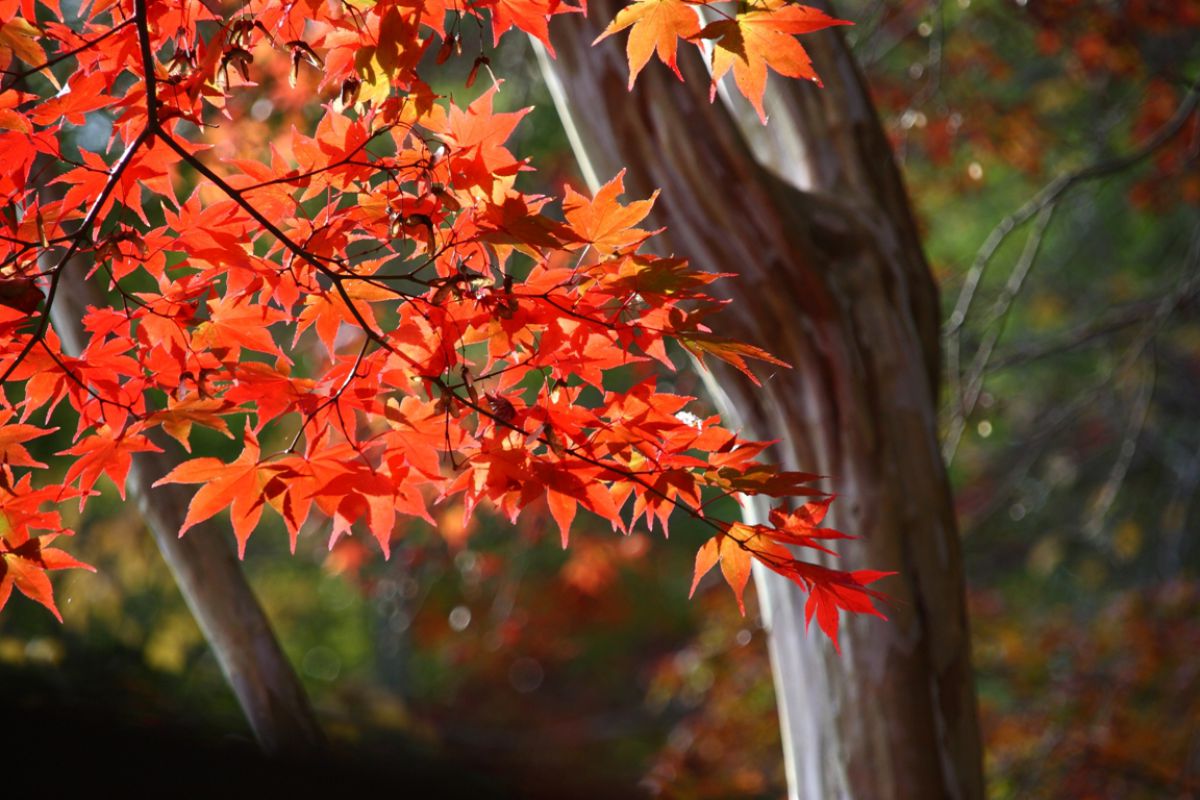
(1098, 705)
(1010, 81)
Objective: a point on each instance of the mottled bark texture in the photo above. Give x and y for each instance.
(207, 571)
(813, 217)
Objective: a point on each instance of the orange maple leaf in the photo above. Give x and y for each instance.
(24, 566)
(237, 486)
(531, 16)
(700, 344)
(735, 565)
(177, 418)
(761, 38)
(234, 324)
(604, 223)
(12, 450)
(19, 38)
(105, 452)
(656, 25)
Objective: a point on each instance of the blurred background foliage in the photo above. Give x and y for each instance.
(1072, 422)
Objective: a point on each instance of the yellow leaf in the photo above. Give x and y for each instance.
(18, 36)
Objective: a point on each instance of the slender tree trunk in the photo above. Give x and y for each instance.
(812, 216)
(208, 573)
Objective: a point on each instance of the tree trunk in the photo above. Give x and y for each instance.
(208, 573)
(812, 215)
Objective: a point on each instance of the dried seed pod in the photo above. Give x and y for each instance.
(502, 409)
(482, 61)
(350, 89)
(449, 45)
(239, 31)
(301, 52)
(238, 58)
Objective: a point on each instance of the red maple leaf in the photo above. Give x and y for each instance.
(24, 566)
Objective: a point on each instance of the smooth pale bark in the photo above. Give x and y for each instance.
(812, 216)
(207, 571)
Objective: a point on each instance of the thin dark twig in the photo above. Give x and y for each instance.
(270, 227)
(85, 228)
(333, 398)
(630, 475)
(1107, 324)
(374, 337)
(17, 77)
(1048, 195)
(1093, 526)
(965, 404)
(143, 28)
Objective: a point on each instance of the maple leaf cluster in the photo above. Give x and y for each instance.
(459, 333)
(760, 34)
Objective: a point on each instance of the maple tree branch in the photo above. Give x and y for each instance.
(236, 196)
(82, 384)
(965, 405)
(205, 568)
(372, 336)
(721, 528)
(77, 239)
(348, 160)
(1051, 193)
(1139, 410)
(149, 77)
(333, 398)
(1105, 325)
(22, 242)
(1153, 315)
